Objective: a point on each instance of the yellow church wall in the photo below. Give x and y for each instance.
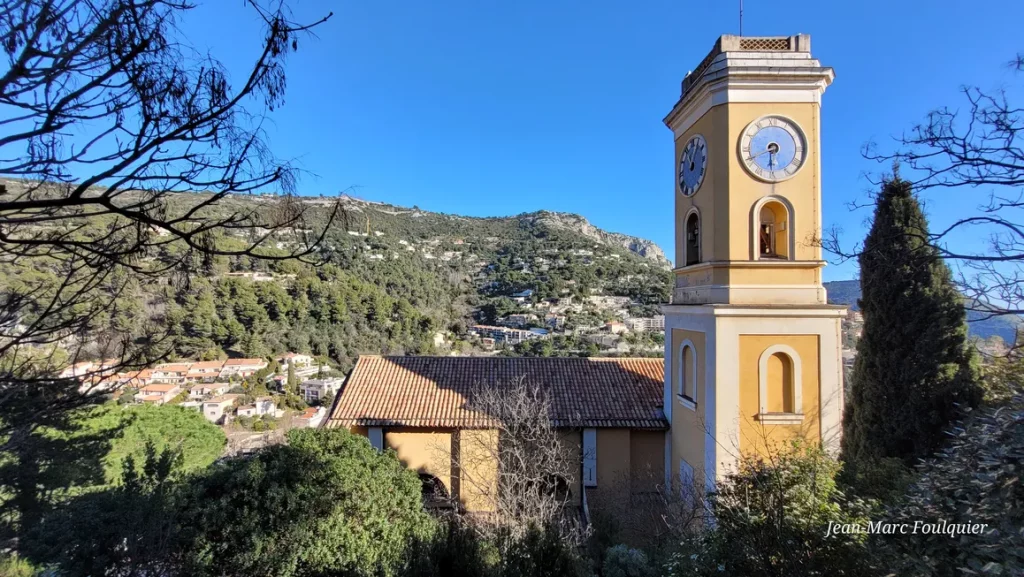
(713, 127)
(773, 274)
(612, 491)
(479, 473)
(802, 190)
(646, 460)
(756, 437)
(688, 425)
(770, 273)
(424, 451)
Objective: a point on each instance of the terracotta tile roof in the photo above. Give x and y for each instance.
(432, 391)
(244, 362)
(173, 367)
(158, 388)
(206, 365)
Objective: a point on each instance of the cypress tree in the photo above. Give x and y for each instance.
(914, 372)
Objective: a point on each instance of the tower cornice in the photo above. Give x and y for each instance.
(750, 69)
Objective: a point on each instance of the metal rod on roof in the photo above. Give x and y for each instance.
(741, 17)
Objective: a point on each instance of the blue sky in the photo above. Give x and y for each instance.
(497, 108)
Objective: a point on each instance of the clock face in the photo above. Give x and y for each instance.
(692, 165)
(773, 148)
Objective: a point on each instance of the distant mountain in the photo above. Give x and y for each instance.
(847, 292)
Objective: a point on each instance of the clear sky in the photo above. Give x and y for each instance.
(496, 108)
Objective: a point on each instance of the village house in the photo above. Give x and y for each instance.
(646, 324)
(158, 394)
(615, 327)
(503, 335)
(261, 407)
(241, 368)
(314, 390)
(554, 321)
(176, 373)
(206, 390)
(204, 371)
(218, 409)
(310, 418)
(298, 360)
(609, 412)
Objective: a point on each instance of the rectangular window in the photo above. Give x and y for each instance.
(376, 435)
(589, 457)
(686, 488)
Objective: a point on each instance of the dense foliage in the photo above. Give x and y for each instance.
(325, 502)
(772, 518)
(914, 372)
(975, 480)
(186, 434)
(54, 464)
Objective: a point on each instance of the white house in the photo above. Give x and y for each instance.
(216, 409)
(241, 368)
(262, 406)
(208, 390)
(297, 359)
(316, 389)
(310, 418)
(158, 393)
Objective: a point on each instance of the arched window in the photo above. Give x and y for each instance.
(433, 490)
(773, 218)
(780, 385)
(688, 375)
(692, 239)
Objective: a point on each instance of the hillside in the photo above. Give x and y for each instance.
(847, 292)
(399, 280)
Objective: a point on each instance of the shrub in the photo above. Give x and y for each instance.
(623, 561)
(325, 503)
(976, 480)
(772, 517)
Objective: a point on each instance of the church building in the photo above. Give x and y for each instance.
(752, 349)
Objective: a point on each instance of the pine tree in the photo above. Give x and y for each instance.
(293, 381)
(914, 372)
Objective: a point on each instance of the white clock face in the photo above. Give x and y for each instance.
(692, 165)
(773, 148)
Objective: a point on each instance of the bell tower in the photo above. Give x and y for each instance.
(752, 349)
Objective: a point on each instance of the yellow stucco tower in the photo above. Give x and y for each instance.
(752, 349)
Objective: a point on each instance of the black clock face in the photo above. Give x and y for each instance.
(692, 165)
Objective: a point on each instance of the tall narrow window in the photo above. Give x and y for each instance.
(780, 384)
(688, 375)
(692, 239)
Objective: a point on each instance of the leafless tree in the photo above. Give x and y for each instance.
(518, 465)
(978, 149)
(107, 114)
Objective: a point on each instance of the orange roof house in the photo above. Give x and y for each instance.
(609, 410)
